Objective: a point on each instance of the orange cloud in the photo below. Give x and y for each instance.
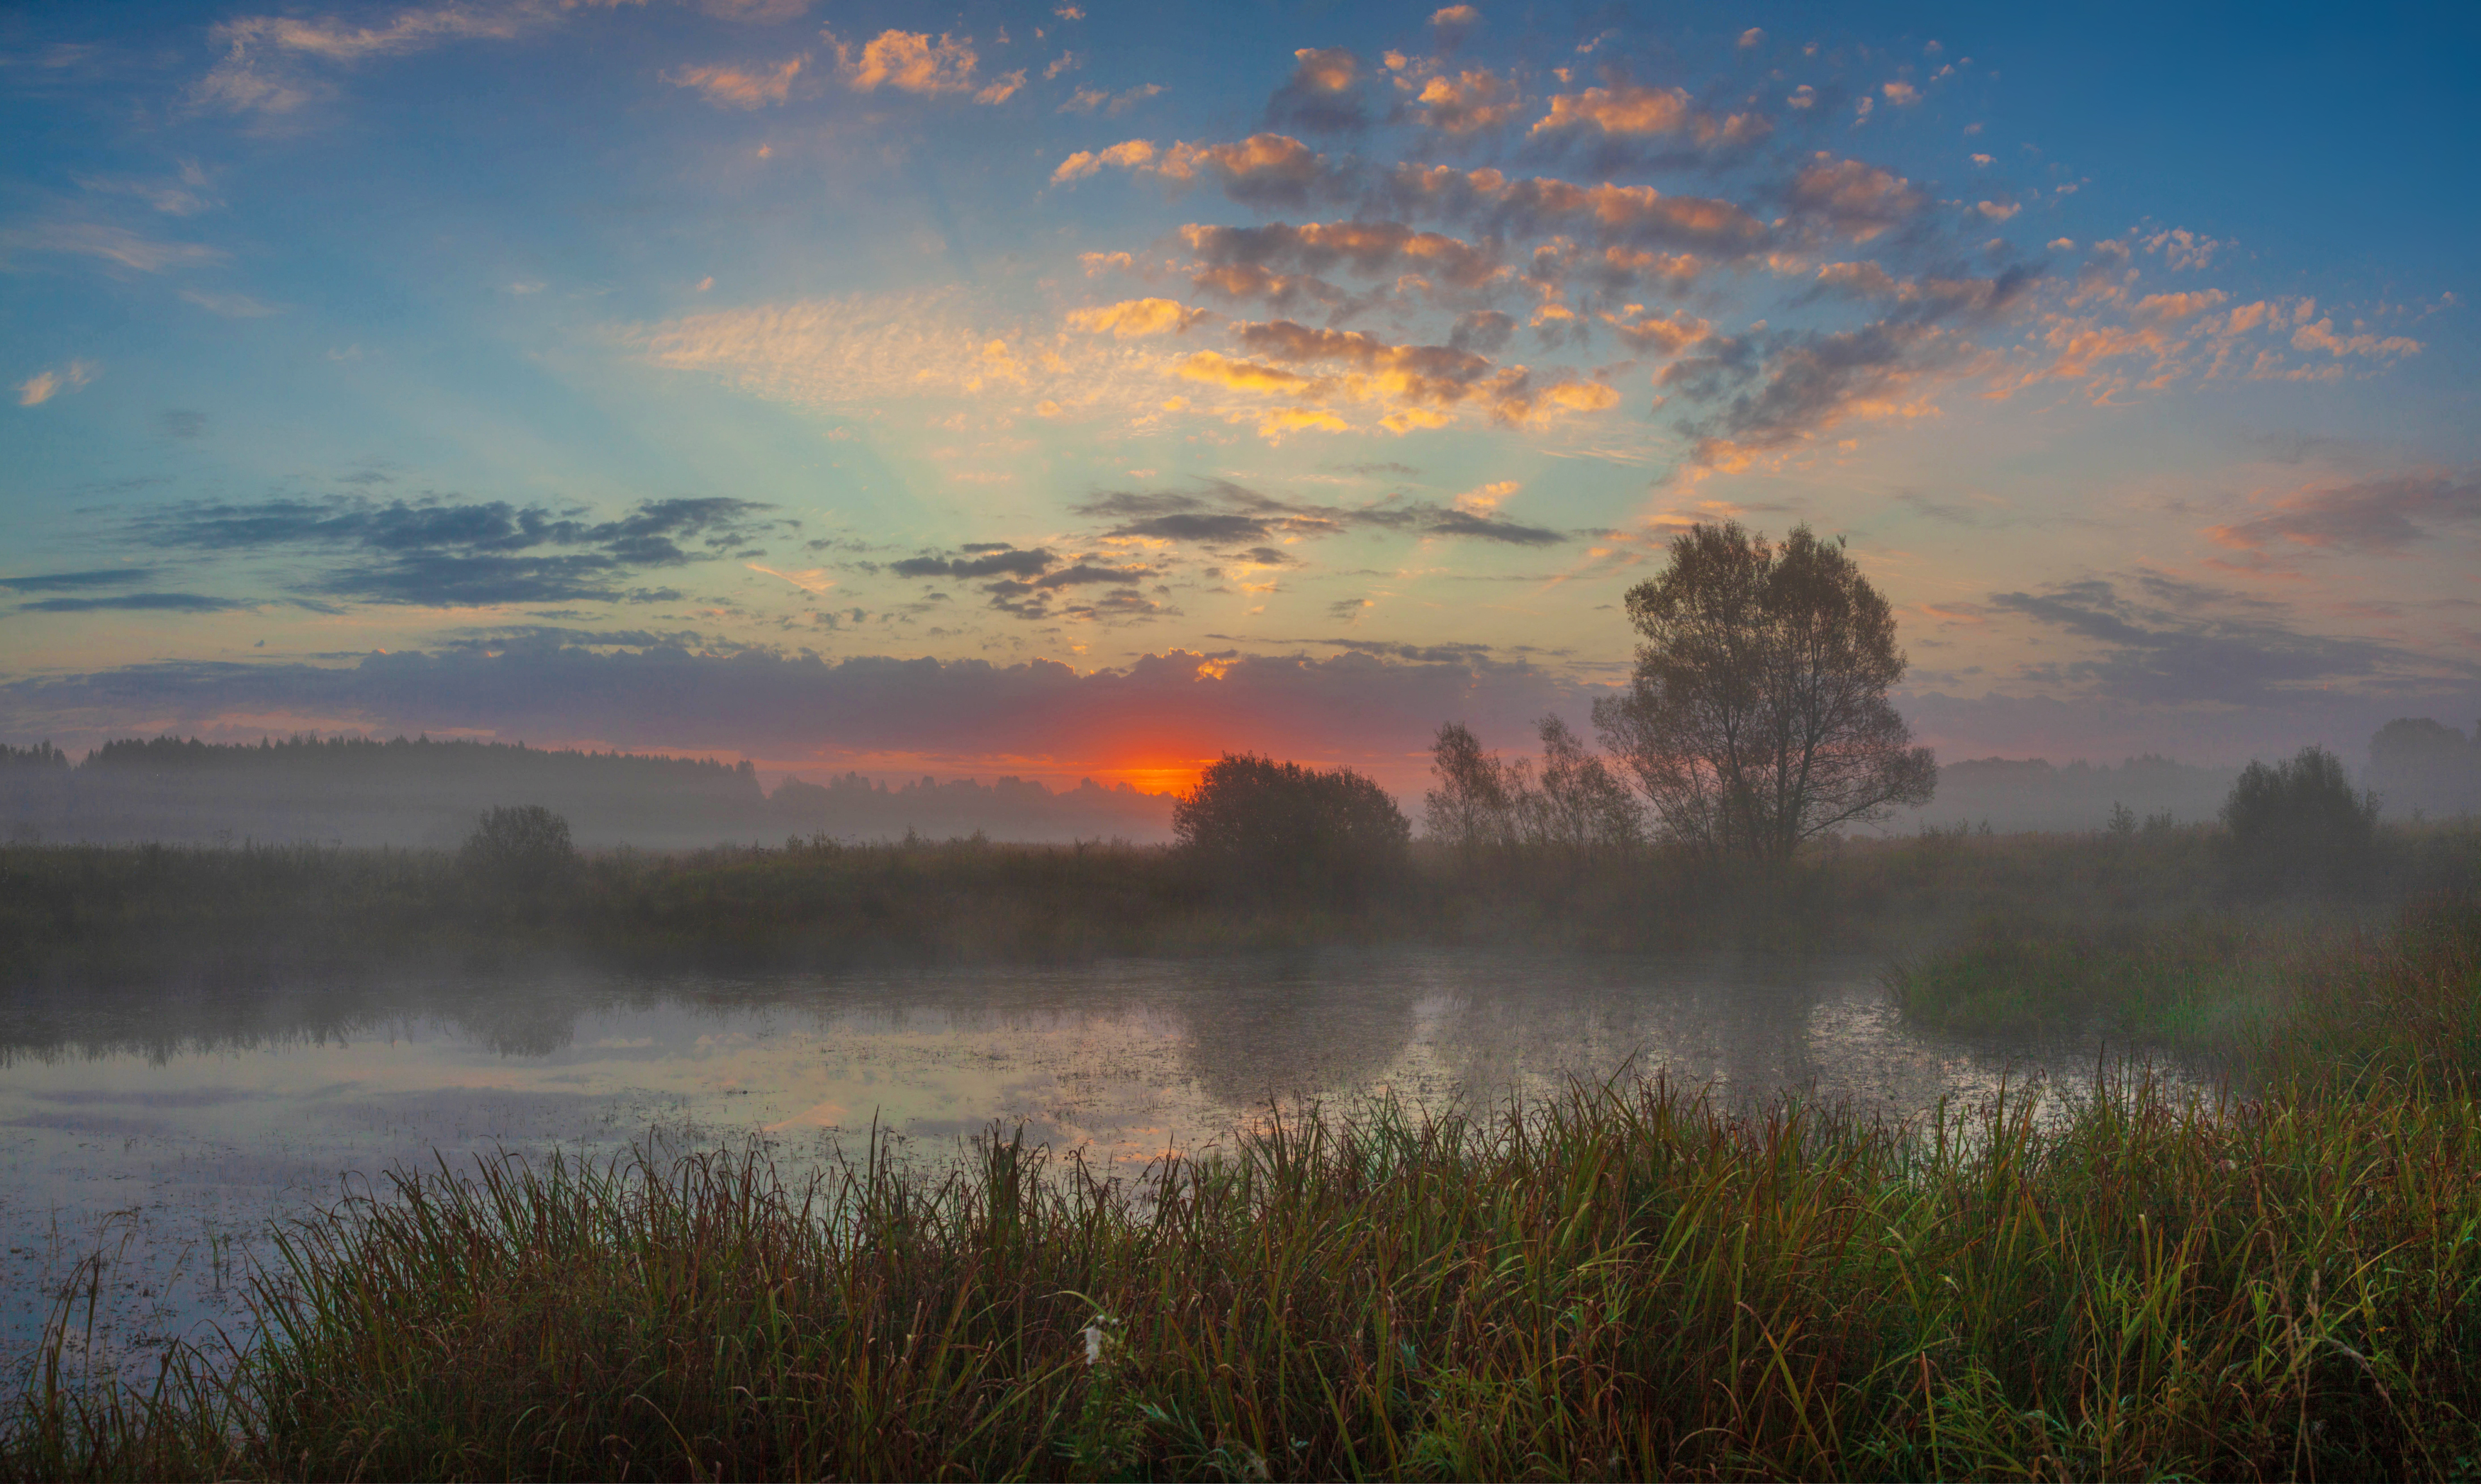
(908, 60)
(1127, 155)
(1264, 164)
(2321, 336)
(1219, 370)
(1621, 109)
(1469, 101)
(738, 86)
(2170, 308)
(43, 385)
(1131, 319)
(1662, 336)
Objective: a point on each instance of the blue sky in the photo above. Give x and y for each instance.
(1083, 389)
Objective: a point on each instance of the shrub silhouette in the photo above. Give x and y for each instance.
(2297, 824)
(1260, 827)
(520, 846)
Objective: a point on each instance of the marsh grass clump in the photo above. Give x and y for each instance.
(1624, 1281)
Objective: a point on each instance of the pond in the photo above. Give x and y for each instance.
(167, 1130)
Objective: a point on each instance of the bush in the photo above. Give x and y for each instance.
(520, 844)
(2298, 825)
(1266, 828)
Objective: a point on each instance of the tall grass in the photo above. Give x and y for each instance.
(1624, 1281)
(1621, 1283)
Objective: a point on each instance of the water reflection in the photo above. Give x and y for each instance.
(170, 1124)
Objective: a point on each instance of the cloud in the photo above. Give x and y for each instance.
(1005, 561)
(1452, 24)
(2320, 336)
(2182, 644)
(2382, 515)
(1262, 169)
(435, 553)
(259, 70)
(808, 579)
(912, 715)
(861, 351)
(1645, 332)
(1223, 514)
(73, 582)
(1637, 217)
(1622, 109)
(731, 86)
(2181, 249)
(1466, 103)
(1805, 384)
(1002, 88)
(1485, 330)
(1087, 100)
(1322, 94)
(2170, 308)
(137, 603)
(1375, 249)
(1851, 198)
(1127, 155)
(43, 385)
(113, 244)
(185, 195)
(1135, 317)
(909, 62)
(1418, 385)
(232, 306)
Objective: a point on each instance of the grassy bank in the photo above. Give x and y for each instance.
(1625, 1281)
(2273, 993)
(72, 915)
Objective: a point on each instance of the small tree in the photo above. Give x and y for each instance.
(1759, 717)
(1262, 828)
(2298, 824)
(520, 844)
(1473, 809)
(1580, 808)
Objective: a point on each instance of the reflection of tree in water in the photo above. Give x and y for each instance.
(1311, 1025)
(1740, 1022)
(528, 1015)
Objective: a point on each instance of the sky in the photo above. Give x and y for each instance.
(1083, 389)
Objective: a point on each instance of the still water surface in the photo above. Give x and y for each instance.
(170, 1130)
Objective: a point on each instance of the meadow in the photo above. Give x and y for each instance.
(247, 912)
(1626, 1281)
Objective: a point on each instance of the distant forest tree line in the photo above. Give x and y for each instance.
(428, 792)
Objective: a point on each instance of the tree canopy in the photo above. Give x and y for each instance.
(1269, 828)
(2298, 824)
(1759, 716)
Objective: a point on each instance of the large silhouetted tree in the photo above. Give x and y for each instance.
(1759, 717)
(1261, 827)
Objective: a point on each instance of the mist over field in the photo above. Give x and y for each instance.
(1155, 738)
